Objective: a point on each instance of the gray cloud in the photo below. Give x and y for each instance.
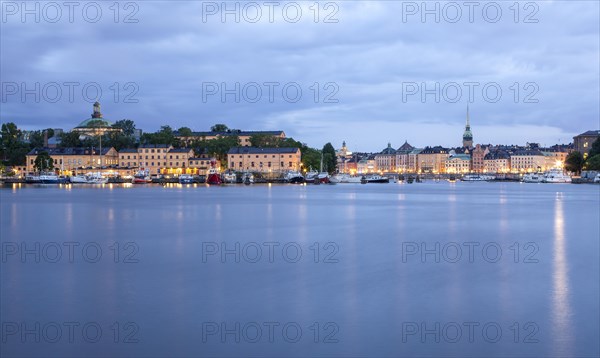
(371, 54)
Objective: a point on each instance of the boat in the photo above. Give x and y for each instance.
(96, 178)
(556, 176)
(597, 178)
(32, 179)
(78, 179)
(186, 179)
(410, 180)
(311, 175)
(49, 178)
(344, 178)
(213, 177)
(141, 177)
(533, 178)
(374, 178)
(293, 177)
(229, 177)
(247, 178)
(477, 177)
(323, 177)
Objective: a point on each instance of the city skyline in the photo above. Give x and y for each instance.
(361, 82)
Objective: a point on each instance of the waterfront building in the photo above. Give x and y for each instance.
(367, 164)
(477, 158)
(200, 165)
(343, 156)
(497, 161)
(457, 163)
(244, 136)
(70, 160)
(583, 142)
(467, 139)
(413, 160)
(402, 161)
(386, 159)
(96, 125)
(432, 160)
(264, 159)
(527, 161)
(554, 159)
(153, 157)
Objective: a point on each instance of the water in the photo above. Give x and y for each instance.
(508, 269)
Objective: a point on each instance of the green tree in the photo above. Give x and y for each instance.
(329, 158)
(311, 158)
(595, 150)
(70, 139)
(126, 125)
(574, 162)
(219, 128)
(164, 136)
(184, 132)
(43, 162)
(265, 141)
(593, 163)
(12, 148)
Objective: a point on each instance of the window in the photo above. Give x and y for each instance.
(176, 157)
(252, 164)
(282, 164)
(152, 151)
(265, 155)
(233, 165)
(170, 156)
(171, 164)
(146, 152)
(152, 163)
(257, 156)
(240, 164)
(269, 164)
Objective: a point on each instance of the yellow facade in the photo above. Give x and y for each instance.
(497, 166)
(71, 160)
(527, 163)
(264, 159)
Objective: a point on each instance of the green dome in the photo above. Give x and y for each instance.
(94, 123)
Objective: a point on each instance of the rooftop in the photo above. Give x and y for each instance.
(254, 150)
(233, 133)
(594, 133)
(70, 151)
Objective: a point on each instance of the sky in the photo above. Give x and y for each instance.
(364, 72)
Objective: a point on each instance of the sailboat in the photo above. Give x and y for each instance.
(323, 176)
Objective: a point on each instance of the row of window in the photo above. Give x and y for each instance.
(171, 164)
(152, 157)
(273, 156)
(241, 164)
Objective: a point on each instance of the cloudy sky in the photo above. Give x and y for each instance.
(365, 72)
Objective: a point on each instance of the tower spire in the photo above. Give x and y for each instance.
(468, 121)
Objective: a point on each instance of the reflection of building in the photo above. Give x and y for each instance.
(386, 159)
(496, 161)
(244, 136)
(467, 135)
(75, 159)
(96, 125)
(583, 142)
(264, 159)
(432, 160)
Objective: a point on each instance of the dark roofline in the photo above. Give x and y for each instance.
(233, 133)
(255, 150)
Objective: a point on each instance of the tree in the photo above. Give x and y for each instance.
(593, 163)
(164, 136)
(184, 132)
(43, 162)
(70, 139)
(311, 158)
(595, 150)
(12, 148)
(126, 125)
(574, 162)
(265, 141)
(219, 128)
(329, 158)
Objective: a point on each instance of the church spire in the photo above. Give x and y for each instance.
(468, 135)
(468, 120)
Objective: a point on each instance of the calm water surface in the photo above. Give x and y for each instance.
(434, 269)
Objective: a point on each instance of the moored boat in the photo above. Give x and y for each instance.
(374, 178)
(186, 179)
(556, 176)
(213, 177)
(533, 178)
(141, 177)
(229, 177)
(293, 177)
(247, 178)
(49, 178)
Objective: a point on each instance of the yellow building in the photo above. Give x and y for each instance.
(74, 160)
(153, 157)
(386, 159)
(458, 164)
(527, 161)
(432, 160)
(497, 162)
(264, 159)
(244, 136)
(555, 159)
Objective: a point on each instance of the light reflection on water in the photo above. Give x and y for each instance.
(368, 293)
(561, 309)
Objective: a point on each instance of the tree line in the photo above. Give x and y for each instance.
(14, 147)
